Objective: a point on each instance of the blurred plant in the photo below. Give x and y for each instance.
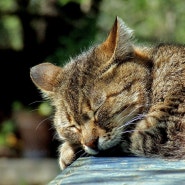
(81, 26)
(75, 42)
(7, 134)
(152, 20)
(8, 5)
(10, 144)
(64, 2)
(34, 128)
(44, 109)
(11, 32)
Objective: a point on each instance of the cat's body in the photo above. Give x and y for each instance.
(119, 97)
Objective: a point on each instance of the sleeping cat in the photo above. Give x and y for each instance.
(118, 97)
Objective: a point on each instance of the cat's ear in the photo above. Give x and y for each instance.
(118, 42)
(45, 76)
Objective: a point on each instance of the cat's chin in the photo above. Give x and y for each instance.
(90, 150)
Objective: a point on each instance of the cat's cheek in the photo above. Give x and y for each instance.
(69, 135)
(108, 142)
(103, 143)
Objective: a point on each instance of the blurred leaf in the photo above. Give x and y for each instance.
(2, 140)
(7, 127)
(44, 109)
(64, 2)
(17, 106)
(11, 140)
(152, 21)
(11, 32)
(7, 136)
(6, 5)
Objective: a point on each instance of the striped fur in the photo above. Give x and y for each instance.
(118, 97)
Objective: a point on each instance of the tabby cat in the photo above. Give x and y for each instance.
(118, 97)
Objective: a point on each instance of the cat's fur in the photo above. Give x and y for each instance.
(118, 97)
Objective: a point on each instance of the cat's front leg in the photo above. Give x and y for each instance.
(67, 154)
(148, 137)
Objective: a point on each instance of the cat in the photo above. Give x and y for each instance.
(118, 97)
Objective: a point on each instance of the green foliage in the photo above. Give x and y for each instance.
(10, 32)
(44, 109)
(8, 5)
(7, 128)
(64, 2)
(78, 40)
(152, 20)
(17, 106)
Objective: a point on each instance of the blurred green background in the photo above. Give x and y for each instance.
(34, 31)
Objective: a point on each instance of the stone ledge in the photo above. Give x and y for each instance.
(122, 171)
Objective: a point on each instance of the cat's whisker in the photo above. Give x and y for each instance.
(129, 131)
(120, 117)
(84, 154)
(41, 122)
(51, 127)
(38, 101)
(134, 130)
(132, 120)
(78, 152)
(55, 136)
(120, 120)
(33, 110)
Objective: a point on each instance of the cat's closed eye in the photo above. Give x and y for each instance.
(74, 128)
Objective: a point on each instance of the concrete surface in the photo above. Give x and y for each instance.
(122, 171)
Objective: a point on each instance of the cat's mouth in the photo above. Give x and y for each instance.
(90, 146)
(91, 151)
(113, 151)
(98, 145)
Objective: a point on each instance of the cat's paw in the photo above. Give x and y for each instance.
(67, 155)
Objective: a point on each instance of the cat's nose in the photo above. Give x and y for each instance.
(91, 146)
(92, 143)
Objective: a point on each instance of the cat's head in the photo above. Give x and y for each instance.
(98, 93)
